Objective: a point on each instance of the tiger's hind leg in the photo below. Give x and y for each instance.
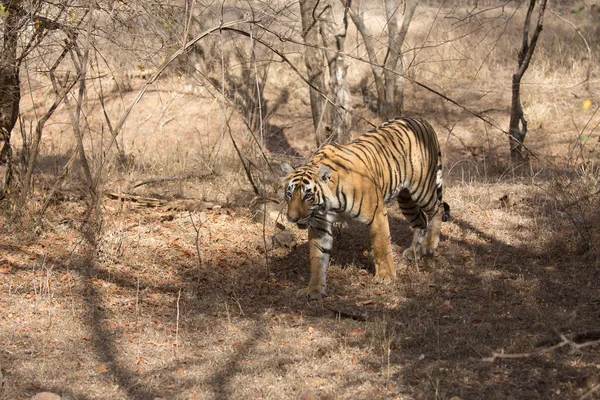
(418, 221)
(434, 228)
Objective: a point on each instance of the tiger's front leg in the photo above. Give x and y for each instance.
(320, 241)
(382, 246)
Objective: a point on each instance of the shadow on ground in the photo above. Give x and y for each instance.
(237, 320)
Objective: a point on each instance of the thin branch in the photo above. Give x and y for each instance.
(61, 94)
(587, 46)
(177, 327)
(343, 314)
(290, 64)
(565, 341)
(159, 72)
(198, 251)
(158, 179)
(578, 338)
(77, 117)
(55, 187)
(590, 392)
(528, 48)
(240, 155)
(486, 120)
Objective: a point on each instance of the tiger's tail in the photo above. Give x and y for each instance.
(439, 188)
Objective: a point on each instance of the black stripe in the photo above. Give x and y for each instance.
(322, 249)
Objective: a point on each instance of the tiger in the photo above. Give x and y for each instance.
(401, 159)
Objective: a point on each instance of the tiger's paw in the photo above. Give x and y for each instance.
(429, 252)
(411, 254)
(311, 294)
(384, 279)
(386, 275)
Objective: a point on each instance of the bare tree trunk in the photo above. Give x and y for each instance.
(394, 67)
(517, 128)
(10, 91)
(389, 80)
(313, 58)
(83, 59)
(411, 6)
(357, 16)
(333, 41)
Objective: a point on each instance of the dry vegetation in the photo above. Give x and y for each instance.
(178, 302)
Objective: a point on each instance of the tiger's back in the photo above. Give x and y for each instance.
(401, 154)
(401, 160)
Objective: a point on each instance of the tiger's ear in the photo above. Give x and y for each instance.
(286, 168)
(324, 173)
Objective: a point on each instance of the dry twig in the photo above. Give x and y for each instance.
(565, 341)
(343, 314)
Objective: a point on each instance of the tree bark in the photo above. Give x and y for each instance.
(357, 16)
(10, 91)
(389, 80)
(333, 41)
(313, 58)
(517, 128)
(394, 67)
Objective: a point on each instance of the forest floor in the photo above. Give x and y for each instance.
(142, 316)
(161, 303)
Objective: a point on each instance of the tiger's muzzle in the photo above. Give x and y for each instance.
(299, 211)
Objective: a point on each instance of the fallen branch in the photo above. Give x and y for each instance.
(180, 204)
(565, 341)
(158, 179)
(590, 392)
(343, 314)
(576, 337)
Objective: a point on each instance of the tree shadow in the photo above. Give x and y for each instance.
(277, 143)
(476, 297)
(432, 327)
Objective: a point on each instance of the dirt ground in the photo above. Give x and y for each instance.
(142, 312)
(137, 302)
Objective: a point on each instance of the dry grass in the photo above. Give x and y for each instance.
(126, 308)
(138, 316)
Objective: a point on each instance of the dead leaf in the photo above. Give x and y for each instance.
(365, 303)
(316, 382)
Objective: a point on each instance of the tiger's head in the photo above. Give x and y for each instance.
(304, 191)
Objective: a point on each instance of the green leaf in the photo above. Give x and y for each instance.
(2, 10)
(577, 9)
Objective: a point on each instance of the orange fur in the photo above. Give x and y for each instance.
(399, 160)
